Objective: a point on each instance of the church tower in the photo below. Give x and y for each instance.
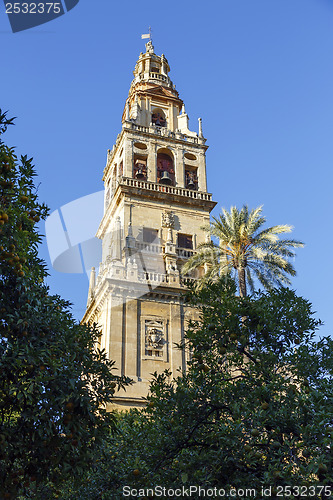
(156, 202)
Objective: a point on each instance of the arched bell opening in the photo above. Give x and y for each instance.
(158, 118)
(140, 167)
(191, 178)
(165, 168)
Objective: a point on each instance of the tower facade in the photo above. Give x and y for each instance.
(156, 203)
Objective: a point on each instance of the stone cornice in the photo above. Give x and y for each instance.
(158, 91)
(155, 191)
(136, 290)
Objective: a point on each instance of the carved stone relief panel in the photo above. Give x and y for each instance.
(168, 219)
(155, 339)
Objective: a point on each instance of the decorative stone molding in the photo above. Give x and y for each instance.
(168, 219)
(154, 339)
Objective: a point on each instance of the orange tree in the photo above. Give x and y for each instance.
(54, 381)
(254, 410)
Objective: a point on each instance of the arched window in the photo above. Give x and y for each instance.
(158, 118)
(165, 169)
(140, 168)
(191, 178)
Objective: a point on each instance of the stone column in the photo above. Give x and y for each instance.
(103, 320)
(131, 340)
(127, 113)
(116, 328)
(171, 125)
(179, 168)
(92, 284)
(200, 127)
(117, 240)
(202, 182)
(171, 259)
(175, 336)
(163, 69)
(106, 328)
(148, 107)
(128, 158)
(151, 162)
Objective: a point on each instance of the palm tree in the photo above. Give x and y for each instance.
(245, 250)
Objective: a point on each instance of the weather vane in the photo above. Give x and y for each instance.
(147, 35)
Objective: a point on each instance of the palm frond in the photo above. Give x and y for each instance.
(274, 230)
(242, 243)
(254, 220)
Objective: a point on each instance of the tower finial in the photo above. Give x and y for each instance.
(127, 114)
(149, 44)
(200, 127)
(147, 35)
(92, 284)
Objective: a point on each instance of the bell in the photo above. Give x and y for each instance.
(140, 174)
(191, 184)
(158, 123)
(165, 179)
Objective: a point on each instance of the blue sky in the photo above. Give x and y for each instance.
(258, 72)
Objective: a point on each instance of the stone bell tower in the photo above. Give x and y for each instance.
(156, 202)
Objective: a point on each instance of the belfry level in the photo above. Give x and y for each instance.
(156, 203)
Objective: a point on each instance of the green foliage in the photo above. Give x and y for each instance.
(245, 250)
(54, 382)
(254, 409)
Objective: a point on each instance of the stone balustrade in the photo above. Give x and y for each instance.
(139, 128)
(158, 76)
(153, 277)
(184, 253)
(148, 247)
(186, 281)
(108, 269)
(154, 186)
(164, 132)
